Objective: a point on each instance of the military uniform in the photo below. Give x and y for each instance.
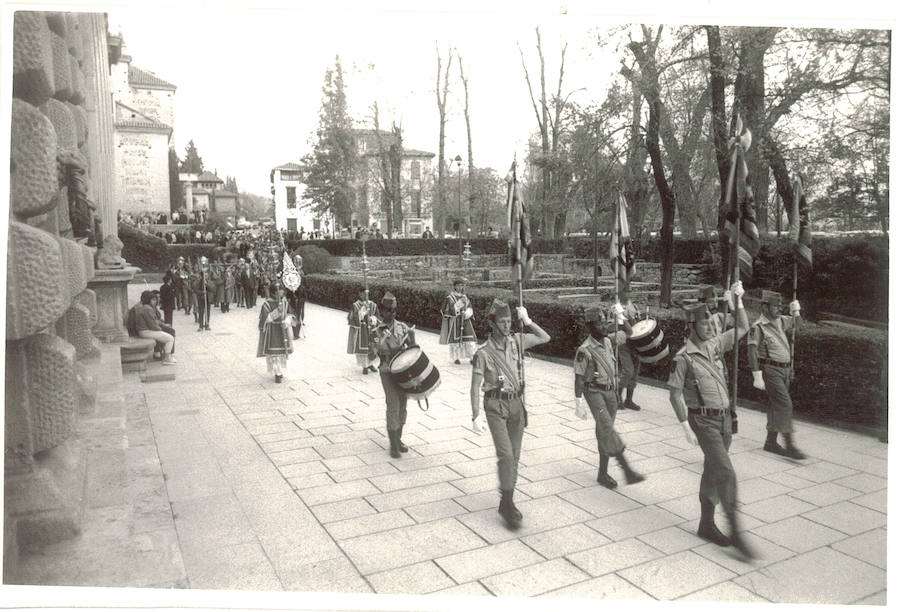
(204, 289)
(390, 339)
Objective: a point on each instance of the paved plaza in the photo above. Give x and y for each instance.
(223, 479)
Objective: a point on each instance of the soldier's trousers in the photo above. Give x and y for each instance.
(603, 405)
(718, 483)
(395, 402)
(629, 368)
(779, 409)
(506, 419)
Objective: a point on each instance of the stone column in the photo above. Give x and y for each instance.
(99, 106)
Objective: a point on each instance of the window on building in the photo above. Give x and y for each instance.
(292, 197)
(417, 203)
(317, 224)
(292, 225)
(414, 171)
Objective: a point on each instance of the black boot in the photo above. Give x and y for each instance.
(508, 511)
(403, 448)
(629, 402)
(631, 477)
(395, 450)
(602, 476)
(772, 444)
(365, 370)
(737, 539)
(790, 450)
(708, 530)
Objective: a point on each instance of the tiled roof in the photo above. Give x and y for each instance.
(209, 177)
(145, 78)
(291, 166)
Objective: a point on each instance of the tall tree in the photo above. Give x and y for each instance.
(330, 169)
(193, 163)
(387, 172)
(441, 91)
(176, 194)
(471, 164)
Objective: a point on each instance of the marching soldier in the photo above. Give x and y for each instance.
(204, 291)
(456, 327)
(770, 361)
(495, 373)
(180, 279)
(595, 377)
(720, 320)
(629, 362)
(358, 340)
(698, 392)
(390, 337)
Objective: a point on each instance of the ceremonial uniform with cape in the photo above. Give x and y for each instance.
(358, 338)
(275, 342)
(456, 327)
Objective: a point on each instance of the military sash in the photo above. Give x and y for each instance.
(603, 361)
(499, 361)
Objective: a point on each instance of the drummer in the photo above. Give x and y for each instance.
(390, 337)
(629, 362)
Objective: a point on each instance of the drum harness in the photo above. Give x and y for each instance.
(703, 410)
(598, 359)
(402, 341)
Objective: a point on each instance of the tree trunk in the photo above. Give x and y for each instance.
(720, 136)
(470, 200)
(439, 204)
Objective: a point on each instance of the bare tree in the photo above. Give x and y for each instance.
(471, 166)
(387, 173)
(441, 95)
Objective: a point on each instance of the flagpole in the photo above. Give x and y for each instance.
(615, 236)
(732, 177)
(795, 211)
(520, 274)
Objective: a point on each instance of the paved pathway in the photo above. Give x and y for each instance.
(290, 487)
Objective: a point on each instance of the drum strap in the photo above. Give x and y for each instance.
(499, 361)
(603, 361)
(712, 372)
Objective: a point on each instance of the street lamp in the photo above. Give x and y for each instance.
(458, 161)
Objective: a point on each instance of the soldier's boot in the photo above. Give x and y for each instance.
(403, 448)
(508, 511)
(708, 530)
(395, 450)
(772, 444)
(629, 400)
(631, 477)
(737, 540)
(603, 476)
(790, 450)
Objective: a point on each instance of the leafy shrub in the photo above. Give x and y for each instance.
(839, 371)
(316, 260)
(140, 248)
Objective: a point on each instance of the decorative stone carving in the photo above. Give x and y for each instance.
(19, 454)
(63, 124)
(78, 332)
(88, 299)
(110, 255)
(77, 81)
(73, 35)
(33, 162)
(50, 386)
(36, 289)
(111, 287)
(62, 69)
(88, 254)
(81, 122)
(32, 58)
(73, 267)
(57, 23)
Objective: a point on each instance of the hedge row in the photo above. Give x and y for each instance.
(384, 247)
(839, 372)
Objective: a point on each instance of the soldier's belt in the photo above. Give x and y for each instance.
(503, 395)
(707, 412)
(777, 364)
(599, 387)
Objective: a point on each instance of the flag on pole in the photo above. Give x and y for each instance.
(519, 230)
(289, 275)
(621, 254)
(740, 199)
(800, 234)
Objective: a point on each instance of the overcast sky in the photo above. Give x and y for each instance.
(249, 79)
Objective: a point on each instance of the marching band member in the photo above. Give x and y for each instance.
(297, 298)
(456, 326)
(770, 362)
(274, 339)
(595, 377)
(495, 373)
(629, 363)
(698, 392)
(390, 337)
(358, 338)
(204, 289)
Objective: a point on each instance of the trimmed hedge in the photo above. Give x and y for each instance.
(141, 249)
(839, 371)
(384, 247)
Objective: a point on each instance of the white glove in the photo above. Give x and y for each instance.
(580, 412)
(794, 308)
(737, 289)
(372, 321)
(619, 312)
(523, 315)
(758, 382)
(689, 433)
(479, 424)
(468, 313)
(363, 312)
(729, 299)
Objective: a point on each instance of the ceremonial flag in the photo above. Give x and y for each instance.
(621, 254)
(519, 229)
(289, 275)
(740, 198)
(800, 233)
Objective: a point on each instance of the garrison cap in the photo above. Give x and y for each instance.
(459, 281)
(499, 309)
(389, 301)
(594, 313)
(769, 297)
(696, 311)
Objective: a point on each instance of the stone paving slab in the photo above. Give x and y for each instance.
(238, 482)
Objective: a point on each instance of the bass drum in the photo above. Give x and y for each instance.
(648, 340)
(416, 375)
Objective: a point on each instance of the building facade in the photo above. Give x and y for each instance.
(291, 213)
(144, 133)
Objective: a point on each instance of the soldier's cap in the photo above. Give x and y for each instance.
(695, 311)
(498, 309)
(203, 260)
(707, 293)
(594, 313)
(389, 301)
(459, 281)
(769, 297)
(181, 258)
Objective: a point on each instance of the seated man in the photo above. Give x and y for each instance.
(146, 324)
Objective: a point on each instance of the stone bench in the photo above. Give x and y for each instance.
(135, 354)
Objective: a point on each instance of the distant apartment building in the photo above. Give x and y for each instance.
(291, 213)
(205, 192)
(144, 132)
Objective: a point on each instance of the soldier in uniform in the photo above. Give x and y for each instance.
(456, 326)
(698, 392)
(595, 377)
(629, 362)
(204, 289)
(720, 319)
(390, 337)
(182, 286)
(770, 361)
(495, 374)
(358, 340)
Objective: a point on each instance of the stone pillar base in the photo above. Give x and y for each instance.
(111, 288)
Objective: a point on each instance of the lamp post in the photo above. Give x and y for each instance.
(458, 161)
